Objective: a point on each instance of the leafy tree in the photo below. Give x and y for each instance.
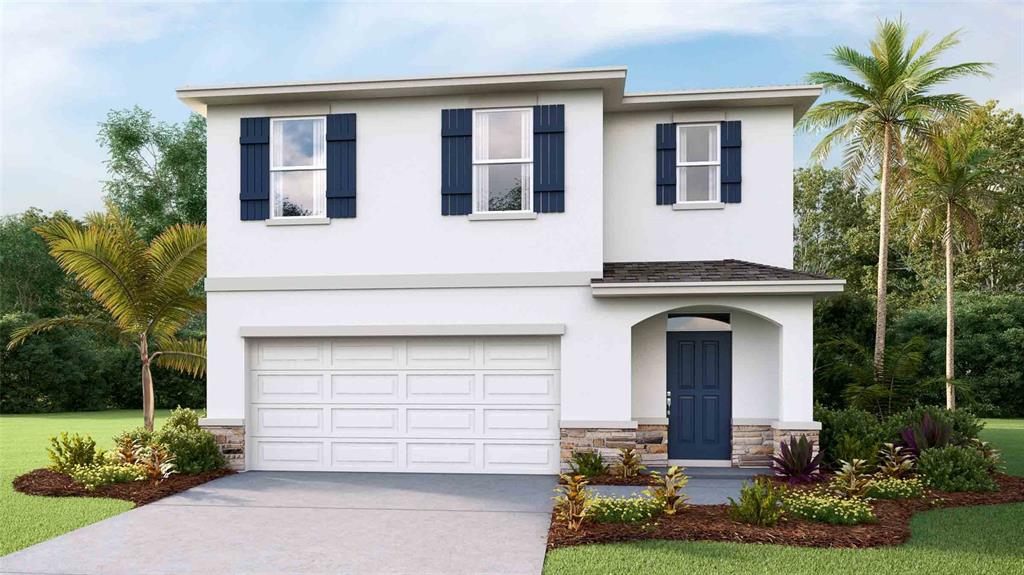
(888, 103)
(145, 289)
(30, 281)
(157, 170)
(948, 179)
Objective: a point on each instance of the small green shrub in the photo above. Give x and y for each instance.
(993, 457)
(182, 417)
(667, 489)
(139, 435)
(895, 488)
(954, 468)
(895, 462)
(587, 464)
(847, 433)
(760, 503)
(67, 452)
(820, 505)
(629, 463)
(852, 479)
(93, 476)
(573, 500)
(624, 509)
(195, 450)
(851, 447)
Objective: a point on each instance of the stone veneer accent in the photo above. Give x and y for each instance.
(650, 441)
(231, 440)
(781, 435)
(752, 445)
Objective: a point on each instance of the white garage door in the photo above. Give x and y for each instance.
(419, 404)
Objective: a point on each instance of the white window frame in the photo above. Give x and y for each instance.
(310, 168)
(716, 192)
(528, 161)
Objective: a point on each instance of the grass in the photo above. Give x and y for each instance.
(23, 441)
(968, 540)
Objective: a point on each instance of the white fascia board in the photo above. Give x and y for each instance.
(800, 97)
(401, 330)
(401, 281)
(641, 289)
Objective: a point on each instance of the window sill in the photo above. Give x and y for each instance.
(698, 206)
(490, 216)
(302, 221)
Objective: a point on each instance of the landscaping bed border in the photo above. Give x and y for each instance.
(712, 523)
(48, 483)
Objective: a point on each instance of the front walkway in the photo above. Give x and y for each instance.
(307, 522)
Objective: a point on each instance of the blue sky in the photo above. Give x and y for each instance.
(65, 65)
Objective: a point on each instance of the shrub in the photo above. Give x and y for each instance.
(895, 488)
(852, 479)
(964, 426)
(819, 505)
(155, 462)
(925, 434)
(667, 489)
(847, 433)
(587, 463)
(182, 418)
(624, 509)
(629, 464)
(895, 462)
(573, 500)
(760, 503)
(955, 468)
(993, 457)
(796, 461)
(67, 452)
(194, 450)
(852, 447)
(93, 476)
(138, 435)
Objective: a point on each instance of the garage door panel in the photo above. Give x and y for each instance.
(428, 422)
(290, 421)
(444, 353)
(286, 455)
(364, 387)
(364, 456)
(364, 422)
(520, 457)
(440, 388)
(289, 354)
(288, 387)
(521, 423)
(440, 456)
(520, 388)
(520, 353)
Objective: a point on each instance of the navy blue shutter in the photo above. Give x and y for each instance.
(254, 144)
(549, 158)
(731, 163)
(341, 166)
(665, 151)
(456, 162)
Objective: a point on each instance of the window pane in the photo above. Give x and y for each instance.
(698, 184)
(503, 187)
(502, 135)
(298, 193)
(698, 144)
(299, 143)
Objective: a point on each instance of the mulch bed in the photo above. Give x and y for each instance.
(52, 484)
(712, 523)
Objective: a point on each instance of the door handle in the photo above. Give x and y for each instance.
(668, 403)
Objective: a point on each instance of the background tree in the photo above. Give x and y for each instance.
(157, 170)
(887, 103)
(949, 178)
(145, 290)
(30, 281)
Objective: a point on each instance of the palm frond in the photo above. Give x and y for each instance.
(98, 325)
(187, 356)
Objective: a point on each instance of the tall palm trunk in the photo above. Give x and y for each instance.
(147, 384)
(883, 260)
(950, 391)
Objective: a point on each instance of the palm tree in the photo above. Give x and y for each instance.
(888, 103)
(145, 291)
(948, 178)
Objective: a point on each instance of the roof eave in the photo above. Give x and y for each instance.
(800, 97)
(651, 289)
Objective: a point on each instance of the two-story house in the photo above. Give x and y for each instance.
(480, 274)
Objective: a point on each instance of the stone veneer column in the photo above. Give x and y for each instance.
(781, 435)
(231, 440)
(650, 441)
(752, 445)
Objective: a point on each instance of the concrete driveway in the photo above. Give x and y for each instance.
(266, 522)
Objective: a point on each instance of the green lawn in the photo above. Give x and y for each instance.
(23, 442)
(958, 541)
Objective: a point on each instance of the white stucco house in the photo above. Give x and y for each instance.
(480, 274)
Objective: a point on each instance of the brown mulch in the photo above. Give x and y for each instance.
(712, 523)
(52, 484)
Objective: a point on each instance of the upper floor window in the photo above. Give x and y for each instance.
(502, 160)
(298, 167)
(697, 163)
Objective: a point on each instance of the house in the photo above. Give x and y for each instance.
(482, 273)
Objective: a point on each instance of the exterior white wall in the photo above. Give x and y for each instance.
(399, 228)
(759, 229)
(596, 350)
(755, 366)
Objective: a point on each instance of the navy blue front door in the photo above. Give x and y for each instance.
(700, 388)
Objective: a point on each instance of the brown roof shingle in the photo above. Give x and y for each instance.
(699, 271)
